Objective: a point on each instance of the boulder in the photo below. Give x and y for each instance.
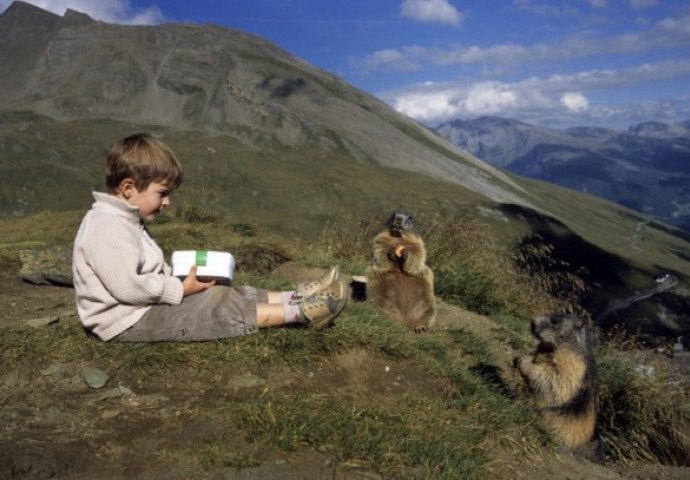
(46, 265)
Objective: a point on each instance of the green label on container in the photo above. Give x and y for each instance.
(201, 258)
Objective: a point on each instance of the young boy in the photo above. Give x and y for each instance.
(124, 288)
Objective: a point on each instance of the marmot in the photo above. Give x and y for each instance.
(399, 281)
(561, 374)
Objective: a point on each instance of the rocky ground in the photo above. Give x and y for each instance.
(89, 420)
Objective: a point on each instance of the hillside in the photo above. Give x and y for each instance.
(216, 80)
(293, 170)
(644, 168)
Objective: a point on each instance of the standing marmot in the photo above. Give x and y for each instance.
(399, 281)
(561, 373)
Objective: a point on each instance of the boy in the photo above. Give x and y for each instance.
(124, 288)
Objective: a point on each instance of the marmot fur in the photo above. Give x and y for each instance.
(399, 281)
(562, 376)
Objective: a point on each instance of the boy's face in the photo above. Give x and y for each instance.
(151, 200)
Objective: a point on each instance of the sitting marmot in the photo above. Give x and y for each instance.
(561, 374)
(399, 281)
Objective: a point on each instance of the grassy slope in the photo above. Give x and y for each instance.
(293, 193)
(444, 412)
(365, 395)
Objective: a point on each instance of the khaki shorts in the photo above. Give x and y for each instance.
(218, 312)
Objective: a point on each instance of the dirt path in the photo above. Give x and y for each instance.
(619, 304)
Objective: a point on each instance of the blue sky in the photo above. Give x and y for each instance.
(556, 63)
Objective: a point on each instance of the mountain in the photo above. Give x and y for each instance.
(216, 80)
(646, 168)
(277, 145)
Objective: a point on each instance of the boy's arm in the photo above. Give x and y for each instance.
(116, 263)
(192, 285)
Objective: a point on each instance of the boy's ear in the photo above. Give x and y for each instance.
(126, 187)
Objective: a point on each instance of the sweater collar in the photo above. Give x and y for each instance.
(116, 205)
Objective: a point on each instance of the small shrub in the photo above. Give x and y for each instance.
(259, 258)
(244, 229)
(474, 270)
(562, 282)
(642, 418)
(194, 213)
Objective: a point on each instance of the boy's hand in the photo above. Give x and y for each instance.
(191, 285)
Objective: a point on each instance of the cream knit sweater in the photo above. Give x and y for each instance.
(119, 271)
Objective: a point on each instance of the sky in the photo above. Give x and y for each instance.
(609, 63)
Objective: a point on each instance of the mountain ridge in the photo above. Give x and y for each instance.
(645, 167)
(220, 80)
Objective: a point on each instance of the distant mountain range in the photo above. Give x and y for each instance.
(646, 168)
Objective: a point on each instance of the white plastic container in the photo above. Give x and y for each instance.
(218, 266)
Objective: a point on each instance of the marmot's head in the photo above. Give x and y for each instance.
(398, 223)
(558, 329)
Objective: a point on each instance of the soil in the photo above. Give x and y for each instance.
(55, 426)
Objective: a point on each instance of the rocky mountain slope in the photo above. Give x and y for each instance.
(646, 168)
(213, 79)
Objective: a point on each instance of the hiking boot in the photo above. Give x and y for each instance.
(320, 309)
(307, 289)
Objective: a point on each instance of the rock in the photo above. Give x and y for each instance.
(94, 377)
(115, 392)
(246, 381)
(46, 265)
(108, 414)
(54, 369)
(42, 321)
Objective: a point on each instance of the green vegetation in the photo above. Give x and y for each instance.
(645, 413)
(448, 405)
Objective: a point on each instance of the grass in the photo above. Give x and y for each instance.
(418, 435)
(643, 418)
(432, 438)
(449, 426)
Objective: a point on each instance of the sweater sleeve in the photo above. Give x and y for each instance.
(116, 254)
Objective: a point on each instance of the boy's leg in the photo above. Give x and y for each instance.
(274, 314)
(221, 312)
(218, 312)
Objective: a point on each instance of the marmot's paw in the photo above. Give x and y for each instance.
(516, 362)
(390, 254)
(421, 328)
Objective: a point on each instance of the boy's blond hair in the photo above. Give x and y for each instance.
(144, 159)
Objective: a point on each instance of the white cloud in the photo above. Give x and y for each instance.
(563, 97)
(438, 11)
(404, 59)
(667, 33)
(428, 107)
(598, 3)
(111, 11)
(489, 98)
(575, 102)
(545, 9)
(643, 3)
